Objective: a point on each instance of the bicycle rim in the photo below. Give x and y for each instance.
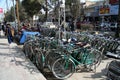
(63, 68)
(40, 61)
(27, 50)
(98, 59)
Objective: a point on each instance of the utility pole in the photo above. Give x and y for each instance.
(14, 14)
(7, 5)
(46, 13)
(17, 12)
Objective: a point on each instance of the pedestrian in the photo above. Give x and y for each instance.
(9, 33)
(0, 29)
(3, 28)
(24, 27)
(72, 26)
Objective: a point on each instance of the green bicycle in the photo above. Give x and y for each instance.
(64, 67)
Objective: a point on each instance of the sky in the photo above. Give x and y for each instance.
(4, 5)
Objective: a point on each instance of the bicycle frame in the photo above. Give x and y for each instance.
(86, 59)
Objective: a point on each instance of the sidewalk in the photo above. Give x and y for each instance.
(14, 65)
(98, 75)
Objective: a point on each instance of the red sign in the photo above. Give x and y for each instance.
(1, 10)
(113, 1)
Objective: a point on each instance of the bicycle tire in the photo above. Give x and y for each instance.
(49, 59)
(40, 63)
(98, 58)
(27, 51)
(59, 70)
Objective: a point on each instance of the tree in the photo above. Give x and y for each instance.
(32, 7)
(9, 15)
(22, 14)
(74, 6)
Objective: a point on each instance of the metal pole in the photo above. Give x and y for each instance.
(17, 11)
(59, 18)
(64, 15)
(14, 14)
(7, 5)
(59, 13)
(64, 20)
(46, 13)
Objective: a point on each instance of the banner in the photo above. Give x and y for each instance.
(1, 10)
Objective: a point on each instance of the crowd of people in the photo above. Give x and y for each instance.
(8, 31)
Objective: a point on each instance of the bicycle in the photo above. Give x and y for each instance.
(65, 66)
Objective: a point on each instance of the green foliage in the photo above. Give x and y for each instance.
(74, 6)
(22, 14)
(32, 7)
(9, 15)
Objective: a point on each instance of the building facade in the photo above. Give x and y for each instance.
(106, 10)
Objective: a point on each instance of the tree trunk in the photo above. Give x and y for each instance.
(46, 13)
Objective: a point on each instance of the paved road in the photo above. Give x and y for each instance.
(98, 75)
(14, 66)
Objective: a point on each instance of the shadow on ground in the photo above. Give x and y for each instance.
(17, 56)
(99, 75)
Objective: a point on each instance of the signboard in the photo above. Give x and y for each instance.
(104, 10)
(114, 9)
(1, 10)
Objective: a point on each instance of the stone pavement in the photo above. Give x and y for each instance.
(14, 65)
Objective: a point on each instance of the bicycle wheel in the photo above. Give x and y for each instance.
(40, 61)
(27, 50)
(95, 57)
(98, 58)
(49, 59)
(63, 68)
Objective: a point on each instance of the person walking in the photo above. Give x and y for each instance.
(9, 33)
(72, 26)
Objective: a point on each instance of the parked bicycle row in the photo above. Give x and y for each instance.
(63, 57)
